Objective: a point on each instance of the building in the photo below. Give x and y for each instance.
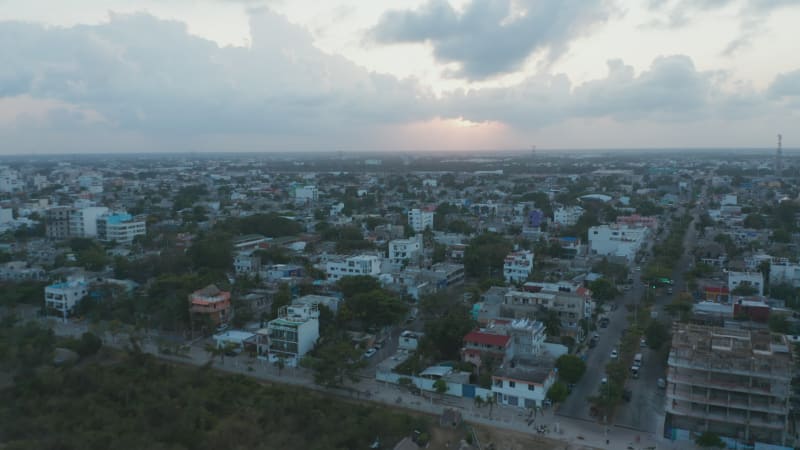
(83, 221)
(290, 336)
(306, 194)
(732, 382)
(781, 271)
(60, 298)
(6, 215)
(444, 275)
(409, 340)
(571, 307)
(250, 242)
(754, 280)
(314, 302)
(523, 383)
(567, 215)
(57, 222)
(282, 272)
(484, 347)
(369, 265)
(420, 219)
(121, 228)
(403, 251)
(211, 303)
(620, 241)
(10, 181)
(518, 266)
(636, 220)
(16, 271)
(246, 264)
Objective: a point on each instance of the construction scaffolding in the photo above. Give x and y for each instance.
(733, 382)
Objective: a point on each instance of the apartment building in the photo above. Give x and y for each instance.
(420, 219)
(210, 302)
(482, 347)
(616, 240)
(246, 264)
(121, 228)
(306, 194)
(517, 266)
(290, 336)
(57, 222)
(567, 215)
(10, 180)
(404, 251)
(83, 221)
(369, 265)
(754, 280)
(60, 298)
(525, 383)
(571, 307)
(732, 382)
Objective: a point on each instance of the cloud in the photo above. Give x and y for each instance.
(492, 37)
(152, 76)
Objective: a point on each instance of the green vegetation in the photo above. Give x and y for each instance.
(570, 368)
(141, 403)
(709, 440)
(558, 392)
(484, 255)
(603, 290)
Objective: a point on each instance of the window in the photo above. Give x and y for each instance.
(512, 384)
(531, 387)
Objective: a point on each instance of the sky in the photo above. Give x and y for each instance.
(401, 75)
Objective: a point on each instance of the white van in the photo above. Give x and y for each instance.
(635, 372)
(637, 360)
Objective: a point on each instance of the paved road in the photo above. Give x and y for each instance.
(645, 412)
(576, 406)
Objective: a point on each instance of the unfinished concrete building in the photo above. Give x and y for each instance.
(732, 382)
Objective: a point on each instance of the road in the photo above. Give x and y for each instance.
(645, 411)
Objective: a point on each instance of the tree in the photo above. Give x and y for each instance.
(744, 289)
(656, 334)
(558, 392)
(334, 361)
(89, 344)
(603, 290)
(486, 254)
(440, 386)
(352, 285)
(570, 368)
(779, 324)
(552, 323)
(709, 440)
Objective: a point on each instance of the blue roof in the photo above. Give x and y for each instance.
(118, 218)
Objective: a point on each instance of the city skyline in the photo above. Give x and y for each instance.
(127, 76)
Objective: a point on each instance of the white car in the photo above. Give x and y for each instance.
(614, 354)
(369, 353)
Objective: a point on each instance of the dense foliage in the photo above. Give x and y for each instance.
(141, 403)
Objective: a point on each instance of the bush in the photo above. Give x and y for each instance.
(709, 440)
(570, 368)
(557, 392)
(89, 344)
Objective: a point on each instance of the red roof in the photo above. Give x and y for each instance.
(478, 337)
(718, 290)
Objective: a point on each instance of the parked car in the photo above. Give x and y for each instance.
(662, 383)
(369, 353)
(642, 343)
(614, 354)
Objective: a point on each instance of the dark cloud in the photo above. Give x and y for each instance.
(487, 38)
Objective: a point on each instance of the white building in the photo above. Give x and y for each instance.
(420, 219)
(405, 250)
(752, 279)
(355, 265)
(10, 180)
(306, 194)
(120, 228)
(523, 385)
(567, 215)
(314, 302)
(781, 270)
(246, 264)
(6, 215)
(60, 298)
(289, 337)
(518, 266)
(83, 221)
(617, 240)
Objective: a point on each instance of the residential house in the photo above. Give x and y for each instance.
(211, 303)
(290, 336)
(517, 266)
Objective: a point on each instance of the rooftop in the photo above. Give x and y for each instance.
(479, 337)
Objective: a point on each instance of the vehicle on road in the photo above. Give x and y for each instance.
(642, 343)
(604, 381)
(369, 353)
(637, 360)
(635, 372)
(662, 383)
(614, 354)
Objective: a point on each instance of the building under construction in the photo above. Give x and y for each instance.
(732, 382)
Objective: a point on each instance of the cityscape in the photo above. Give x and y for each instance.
(416, 224)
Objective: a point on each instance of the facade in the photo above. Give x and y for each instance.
(306, 194)
(732, 382)
(420, 219)
(57, 222)
(483, 347)
(6, 215)
(210, 302)
(753, 279)
(83, 221)
(250, 242)
(290, 336)
(20, 271)
(369, 265)
(781, 270)
(314, 301)
(246, 264)
(60, 298)
(621, 241)
(636, 220)
(571, 308)
(518, 266)
(402, 251)
(120, 228)
(567, 215)
(525, 383)
(10, 181)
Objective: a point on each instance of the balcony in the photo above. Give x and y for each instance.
(718, 384)
(761, 406)
(685, 409)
